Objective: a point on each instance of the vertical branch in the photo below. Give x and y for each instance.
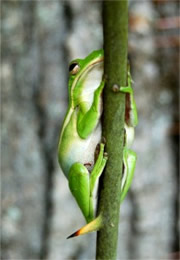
(115, 22)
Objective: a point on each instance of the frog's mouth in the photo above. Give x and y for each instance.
(86, 78)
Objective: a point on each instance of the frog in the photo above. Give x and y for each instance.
(81, 148)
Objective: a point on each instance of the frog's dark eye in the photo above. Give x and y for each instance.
(74, 68)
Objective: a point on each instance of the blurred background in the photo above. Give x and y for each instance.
(39, 39)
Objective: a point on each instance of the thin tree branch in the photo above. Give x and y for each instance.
(115, 22)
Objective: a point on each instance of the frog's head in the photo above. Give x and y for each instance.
(78, 69)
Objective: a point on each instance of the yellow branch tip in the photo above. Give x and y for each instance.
(94, 225)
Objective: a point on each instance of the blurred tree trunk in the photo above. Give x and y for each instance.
(32, 98)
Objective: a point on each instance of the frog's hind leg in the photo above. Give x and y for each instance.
(129, 161)
(82, 183)
(80, 187)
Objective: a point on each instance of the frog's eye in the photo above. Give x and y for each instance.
(74, 68)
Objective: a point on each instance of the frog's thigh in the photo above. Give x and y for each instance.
(129, 160)
(79, 186)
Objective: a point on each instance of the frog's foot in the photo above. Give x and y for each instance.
(129, 161)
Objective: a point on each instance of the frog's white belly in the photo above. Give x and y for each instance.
(83, 150)
(72, 148)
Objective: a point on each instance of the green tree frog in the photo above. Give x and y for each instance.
(80, 151)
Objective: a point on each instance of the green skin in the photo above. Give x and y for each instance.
(82, 127)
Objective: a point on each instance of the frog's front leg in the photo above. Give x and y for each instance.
(88, 118)
(82, 183)
(131, 116)
(129, 161)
